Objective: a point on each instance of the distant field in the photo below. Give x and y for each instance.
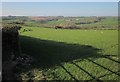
(66, 54)
(107, 22)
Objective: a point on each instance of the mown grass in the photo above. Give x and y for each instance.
(71, 54)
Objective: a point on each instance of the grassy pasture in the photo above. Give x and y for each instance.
(65, 54)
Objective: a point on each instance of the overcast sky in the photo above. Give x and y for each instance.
(60, 8)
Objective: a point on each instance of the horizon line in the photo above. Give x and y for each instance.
(59, 15)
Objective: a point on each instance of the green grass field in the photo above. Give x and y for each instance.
(65, 54)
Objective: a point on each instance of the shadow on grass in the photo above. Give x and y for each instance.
(50, 53)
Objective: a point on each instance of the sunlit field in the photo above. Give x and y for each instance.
(65, 54)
